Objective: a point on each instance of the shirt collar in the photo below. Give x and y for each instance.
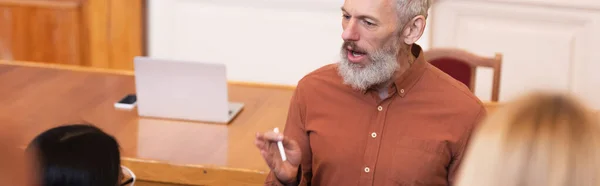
(404, 82)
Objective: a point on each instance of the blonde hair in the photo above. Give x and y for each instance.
(541, 139)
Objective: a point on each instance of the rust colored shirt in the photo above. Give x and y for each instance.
(415, 136)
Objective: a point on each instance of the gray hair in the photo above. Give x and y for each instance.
(408, 9)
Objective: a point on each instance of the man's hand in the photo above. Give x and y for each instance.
(285, 171)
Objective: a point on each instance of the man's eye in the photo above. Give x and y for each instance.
(368, 23)
(346, 16)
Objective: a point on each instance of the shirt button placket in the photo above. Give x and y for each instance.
(372, 148)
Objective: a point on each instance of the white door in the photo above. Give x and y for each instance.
(547, 44)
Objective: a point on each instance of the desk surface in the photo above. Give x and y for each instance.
(38, 98)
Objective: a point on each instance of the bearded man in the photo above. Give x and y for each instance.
(382, 115)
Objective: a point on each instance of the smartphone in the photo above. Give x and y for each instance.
(128, 102)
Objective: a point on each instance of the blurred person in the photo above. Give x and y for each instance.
(79, 155)
(548, 139)
(382, 115)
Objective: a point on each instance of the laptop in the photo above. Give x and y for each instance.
(183, 90)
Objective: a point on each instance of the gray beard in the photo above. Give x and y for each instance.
(380, 70)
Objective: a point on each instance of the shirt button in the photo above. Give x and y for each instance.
(402, 91)
(367, 169)
(379, 108)
(374, 135)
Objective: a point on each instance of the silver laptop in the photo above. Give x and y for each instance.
(183, 90)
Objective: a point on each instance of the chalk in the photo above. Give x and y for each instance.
(280, 145)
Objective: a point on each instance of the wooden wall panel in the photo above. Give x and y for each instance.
(40, 31)
(95, 13)
(126, 32)
(95, 33)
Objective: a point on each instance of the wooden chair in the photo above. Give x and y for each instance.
(461, 65)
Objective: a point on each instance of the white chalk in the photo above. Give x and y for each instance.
(280, 145)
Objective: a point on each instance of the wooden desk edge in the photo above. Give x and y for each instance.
(127, 73)
(131, 73)
(158, 171)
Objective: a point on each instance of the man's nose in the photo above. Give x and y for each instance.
(350, 32)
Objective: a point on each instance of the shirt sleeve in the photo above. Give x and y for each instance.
(457, 158)
(295, 129)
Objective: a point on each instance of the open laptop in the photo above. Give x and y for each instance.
(183, 90)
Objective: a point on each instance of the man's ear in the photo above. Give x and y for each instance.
(414, 29)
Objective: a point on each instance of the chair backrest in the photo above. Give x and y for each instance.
(461, 65)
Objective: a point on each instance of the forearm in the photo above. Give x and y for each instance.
(295, 130)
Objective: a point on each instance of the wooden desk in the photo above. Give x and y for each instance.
(37, 97)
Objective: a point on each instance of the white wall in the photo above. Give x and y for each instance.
(258, 40)
(547, 44)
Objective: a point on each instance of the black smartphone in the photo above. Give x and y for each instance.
(127, 102)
